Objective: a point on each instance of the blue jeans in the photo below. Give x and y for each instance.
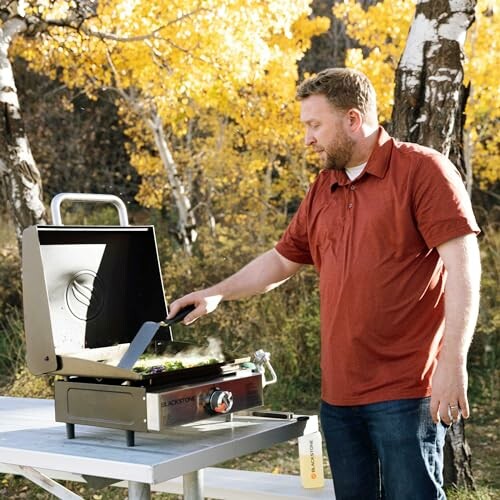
(391, 450)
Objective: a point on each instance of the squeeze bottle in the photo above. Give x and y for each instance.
(311, 461)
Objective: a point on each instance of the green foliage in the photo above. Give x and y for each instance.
(10, 276)
(89, 214)
(77, 142)
(485, 349)
(482, 493)
(11, 344)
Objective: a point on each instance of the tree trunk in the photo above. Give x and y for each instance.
(457, 458)
(186, 225)
(429, 89)
(429, 105)
(329, 49)
(19, 174)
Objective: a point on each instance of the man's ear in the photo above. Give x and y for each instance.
(354, 119)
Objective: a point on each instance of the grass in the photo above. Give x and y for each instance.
(482, 434)
(482, 493)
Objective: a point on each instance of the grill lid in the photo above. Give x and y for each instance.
(87, 290)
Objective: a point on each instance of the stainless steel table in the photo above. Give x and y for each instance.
(30, 439)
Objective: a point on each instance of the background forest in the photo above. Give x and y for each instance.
(185, 109)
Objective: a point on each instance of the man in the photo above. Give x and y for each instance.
(390, 229)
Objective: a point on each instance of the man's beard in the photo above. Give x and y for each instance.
(339, 152)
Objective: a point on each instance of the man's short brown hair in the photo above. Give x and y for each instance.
(344, 88)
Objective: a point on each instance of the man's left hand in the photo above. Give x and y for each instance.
(449, 392)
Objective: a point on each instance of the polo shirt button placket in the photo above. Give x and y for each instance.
(352, 188)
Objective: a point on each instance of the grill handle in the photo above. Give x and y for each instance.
(262, 362)
(55, 205)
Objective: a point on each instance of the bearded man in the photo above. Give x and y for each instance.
(390, 229)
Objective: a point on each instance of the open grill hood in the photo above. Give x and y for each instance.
(87, 290)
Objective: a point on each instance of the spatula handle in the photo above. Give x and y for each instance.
(179, 316)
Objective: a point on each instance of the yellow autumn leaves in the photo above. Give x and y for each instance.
(221, 75)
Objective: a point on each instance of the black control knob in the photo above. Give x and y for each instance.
(221, 401)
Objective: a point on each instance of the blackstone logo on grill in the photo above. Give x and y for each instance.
(179, 401)
(85, 295)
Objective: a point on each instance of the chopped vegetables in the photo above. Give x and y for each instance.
(149, 366)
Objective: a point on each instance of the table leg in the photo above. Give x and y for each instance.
(139, 491)
(70, 431)
(192, 484)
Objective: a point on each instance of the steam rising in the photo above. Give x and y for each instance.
(193, 356)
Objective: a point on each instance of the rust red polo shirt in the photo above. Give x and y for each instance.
(373, 242)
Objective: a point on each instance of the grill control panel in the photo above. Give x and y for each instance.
(188, 403)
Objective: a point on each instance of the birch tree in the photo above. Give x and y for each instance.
(19, 174)
(428, 109)
(430, 98)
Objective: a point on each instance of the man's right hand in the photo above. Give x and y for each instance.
(205, 301)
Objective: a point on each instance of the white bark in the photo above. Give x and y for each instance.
(19, 174)
(430, 74)
(452, 25)
(186, 222)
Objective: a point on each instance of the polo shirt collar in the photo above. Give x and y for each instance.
(377, 164)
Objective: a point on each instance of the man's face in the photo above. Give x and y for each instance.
(326, 132)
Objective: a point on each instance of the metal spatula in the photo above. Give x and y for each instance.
(145, 335)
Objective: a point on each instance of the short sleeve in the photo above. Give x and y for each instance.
(442, 207)
(294, 244)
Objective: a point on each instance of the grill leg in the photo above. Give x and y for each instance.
(70, 431)
(130, 438)
(139, 491)
(192, 484)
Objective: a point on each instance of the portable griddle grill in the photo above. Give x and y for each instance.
(87, 292)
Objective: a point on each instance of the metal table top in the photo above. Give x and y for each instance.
(29, 436)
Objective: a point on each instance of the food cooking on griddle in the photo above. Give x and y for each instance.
(149, 364)
(189, 356)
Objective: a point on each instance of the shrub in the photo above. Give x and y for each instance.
(12, 352)
(10, 280)
(485, 349)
